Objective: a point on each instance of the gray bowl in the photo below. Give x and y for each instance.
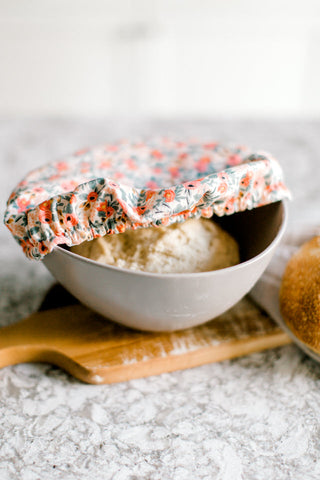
(162, 302)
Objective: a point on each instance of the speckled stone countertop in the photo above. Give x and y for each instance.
(257, 417)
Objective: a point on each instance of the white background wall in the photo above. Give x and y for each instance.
(246, 58)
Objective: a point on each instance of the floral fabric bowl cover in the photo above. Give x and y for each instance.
(111, 188)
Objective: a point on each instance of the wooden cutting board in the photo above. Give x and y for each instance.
(96, 350)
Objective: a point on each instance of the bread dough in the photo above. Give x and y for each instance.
(196, 245)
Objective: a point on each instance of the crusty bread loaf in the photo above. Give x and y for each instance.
(300, 294)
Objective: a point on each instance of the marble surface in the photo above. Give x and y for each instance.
(252, 418)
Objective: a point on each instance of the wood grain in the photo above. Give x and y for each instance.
(96, 350)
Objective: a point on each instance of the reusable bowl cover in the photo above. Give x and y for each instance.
(111, 188)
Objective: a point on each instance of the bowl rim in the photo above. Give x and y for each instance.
(189, 275)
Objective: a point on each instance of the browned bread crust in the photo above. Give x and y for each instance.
(300, 294)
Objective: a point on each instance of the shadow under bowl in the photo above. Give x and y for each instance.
(164, 302)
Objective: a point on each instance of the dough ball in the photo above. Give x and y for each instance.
(196, 245)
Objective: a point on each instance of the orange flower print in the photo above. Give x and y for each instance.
(118, 175)
(258, 183)
(85, 167)
(156, 154)
(223, 188)
(62, 166)
(151, 184)
(223, 175)
(174, 170)
(45, 205)
(23, 204)
(136, 225)
(70, 220)
(207, 212)
(165, 221)
(45, 216)
(169, 195)
(141, 210)
(192, 185)
(103, 207)
(53, 178)
(245, 181)
(234, 159)
(150, 194)
(43, 249)
(100, 189)
(104, 164)
(229, 206)
(131, 164)
(109, 211)
(202, 164)
(92, 196)
(22, 184)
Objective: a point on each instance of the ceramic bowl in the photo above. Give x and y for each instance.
(162, 302)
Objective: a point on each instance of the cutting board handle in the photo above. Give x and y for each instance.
(34, 339)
